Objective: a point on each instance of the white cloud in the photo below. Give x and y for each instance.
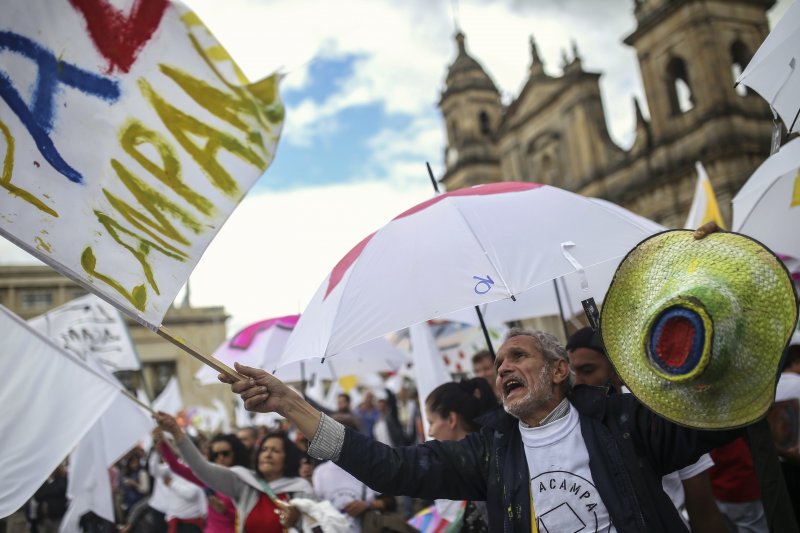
(278, 247)
(403, 50)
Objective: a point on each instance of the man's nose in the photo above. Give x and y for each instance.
(504, 367)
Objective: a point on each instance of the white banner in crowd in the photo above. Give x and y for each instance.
(90, 327)
(127, 137)
(169, 401)
(429, 368)
(121, 427)
(50, 400)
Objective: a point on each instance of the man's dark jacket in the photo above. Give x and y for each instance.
(630, 449)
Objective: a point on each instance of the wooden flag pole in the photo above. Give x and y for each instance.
(209, 360)
(138, 402)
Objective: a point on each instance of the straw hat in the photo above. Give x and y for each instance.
(696, 328)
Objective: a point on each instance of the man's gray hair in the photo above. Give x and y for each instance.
(551, 349)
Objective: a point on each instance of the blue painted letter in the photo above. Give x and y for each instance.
(39, 116)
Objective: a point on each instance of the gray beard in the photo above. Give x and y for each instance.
(539, 395)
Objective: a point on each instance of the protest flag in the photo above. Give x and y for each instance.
(50, 400)
(127, 136)
(90, 327)
(123, 424)
(704, 205)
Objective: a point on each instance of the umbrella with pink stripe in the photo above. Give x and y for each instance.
(457, 250)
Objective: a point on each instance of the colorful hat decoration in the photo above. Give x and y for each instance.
(696, 328)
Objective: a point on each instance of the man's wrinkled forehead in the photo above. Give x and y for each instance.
(516, 346)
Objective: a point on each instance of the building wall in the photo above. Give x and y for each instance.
(555, 131)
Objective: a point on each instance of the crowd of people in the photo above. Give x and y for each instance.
(544, 437)
(245, 482)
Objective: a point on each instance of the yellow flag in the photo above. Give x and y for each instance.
(704, 206)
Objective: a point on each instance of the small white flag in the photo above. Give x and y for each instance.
(429, 368)
(50, 400)
(89, 326)
(169, 401)
(89, 488)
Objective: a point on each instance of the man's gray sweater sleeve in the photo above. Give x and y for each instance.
(328, 440)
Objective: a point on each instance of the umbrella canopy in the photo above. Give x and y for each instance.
(376, 355)
(767, 207)
(773, 71)
(262, 343)
(456, 250)
(542, 299)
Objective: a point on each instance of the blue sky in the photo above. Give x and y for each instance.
(338, 152)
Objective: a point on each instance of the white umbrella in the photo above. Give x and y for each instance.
(454, 251)
(767, 207)
(772, 72)
(543, 301)
(262, 343)
(376, 355)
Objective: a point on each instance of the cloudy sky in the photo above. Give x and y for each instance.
(362, 78)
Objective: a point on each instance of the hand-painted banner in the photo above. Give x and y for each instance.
(127, 137)
(90, 327)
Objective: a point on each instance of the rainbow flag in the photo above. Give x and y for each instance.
(430, 521)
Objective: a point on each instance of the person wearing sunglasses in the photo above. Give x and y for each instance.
(261, 496)
(224, 450)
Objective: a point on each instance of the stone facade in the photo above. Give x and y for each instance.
(555, 131)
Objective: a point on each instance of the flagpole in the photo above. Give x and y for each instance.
(138, 401)
(477, 309)
(209, 360)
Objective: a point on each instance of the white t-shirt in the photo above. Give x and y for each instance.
(564, 495)
(673, 484)
(186, 500)
(333, 484)
(160, 495)
(788, 387)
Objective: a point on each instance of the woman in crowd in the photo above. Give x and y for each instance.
(134, 483)
(225, 450)
(258, 496)
(452, 409)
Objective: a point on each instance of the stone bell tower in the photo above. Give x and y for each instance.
(690, 53)
(470, 105)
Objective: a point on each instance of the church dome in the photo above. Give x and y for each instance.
(465, 72)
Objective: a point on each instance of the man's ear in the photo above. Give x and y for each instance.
(452, 420)
(561, 372)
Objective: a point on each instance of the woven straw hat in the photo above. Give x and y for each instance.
(696, 328)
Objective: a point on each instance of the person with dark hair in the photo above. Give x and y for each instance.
(249, 438)
(689, 488)
(134, 483)
(483, 367)
(588, 359)
(261, 496)
(453, 410)
(225, 450)
(51, 499)
(343, 403)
